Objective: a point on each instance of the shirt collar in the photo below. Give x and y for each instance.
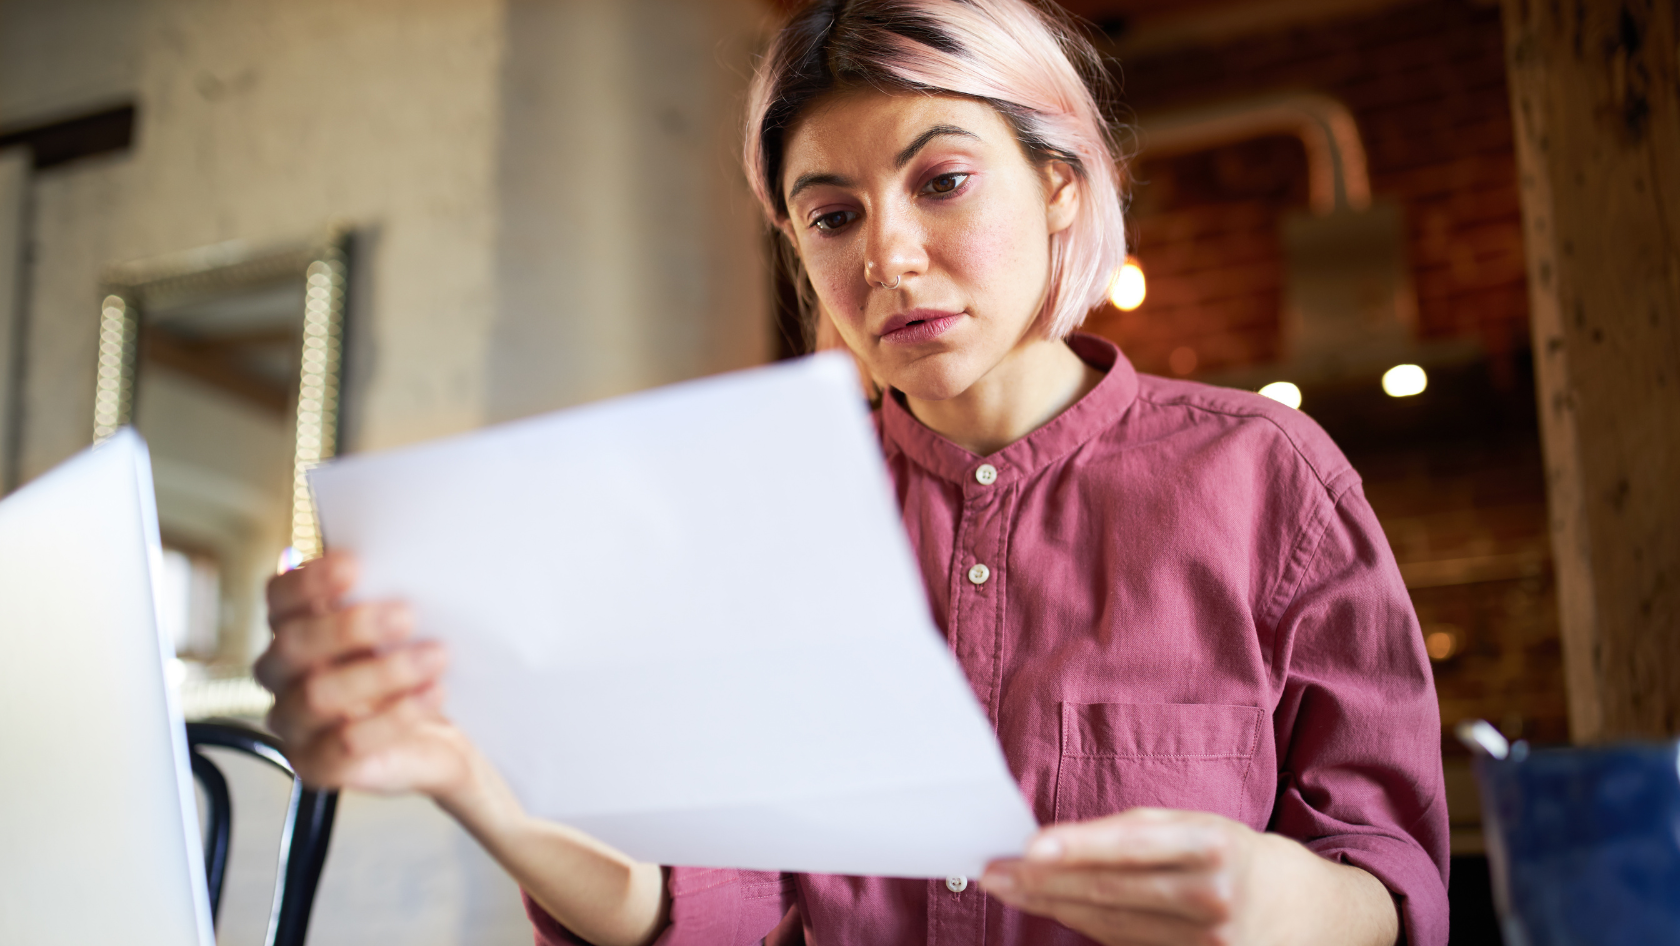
(1090, 415)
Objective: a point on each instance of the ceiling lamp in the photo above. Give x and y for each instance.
(1404, 381)
(1284, 393)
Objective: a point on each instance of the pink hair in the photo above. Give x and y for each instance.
(1027, 63)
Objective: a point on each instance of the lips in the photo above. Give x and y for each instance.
(917, 325)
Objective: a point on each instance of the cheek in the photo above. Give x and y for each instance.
(833, 271)
(983, 243)
(839, 292)
(1003, 262)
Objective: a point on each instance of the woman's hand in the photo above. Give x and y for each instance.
(356, 703)
(1158, 877)
(356, 700)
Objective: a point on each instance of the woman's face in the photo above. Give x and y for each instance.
(925, 231)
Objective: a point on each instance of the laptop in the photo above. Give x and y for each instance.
(99, 835)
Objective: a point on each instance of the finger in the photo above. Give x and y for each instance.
(343, 756)
(333, 695)
(1199, 896)
(416, 757)
(1141, 837)
(311, 587)
(431, 697)
(305, 642)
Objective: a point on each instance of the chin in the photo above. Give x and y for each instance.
(935, 378)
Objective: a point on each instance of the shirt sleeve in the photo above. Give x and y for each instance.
(1358, 727)
(708, 908)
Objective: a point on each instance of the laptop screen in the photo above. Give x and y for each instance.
(98, 829)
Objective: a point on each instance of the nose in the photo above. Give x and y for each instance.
(895, 251)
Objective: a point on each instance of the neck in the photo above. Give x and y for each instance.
(1040, 379)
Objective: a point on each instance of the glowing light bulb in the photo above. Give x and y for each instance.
(1128, 288)
(290, 558)
(1284, 393)
(1442, 643)
(1404, 381)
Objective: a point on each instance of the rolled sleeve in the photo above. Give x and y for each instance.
(709, 907)
(1358, 726)
(1417, 882)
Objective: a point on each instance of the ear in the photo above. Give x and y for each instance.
(1062, 195)
(785, 227)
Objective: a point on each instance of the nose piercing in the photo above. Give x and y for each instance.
(869, 267)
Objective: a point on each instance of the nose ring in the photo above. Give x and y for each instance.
(896, 280)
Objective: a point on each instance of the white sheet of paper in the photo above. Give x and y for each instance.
(688, 622)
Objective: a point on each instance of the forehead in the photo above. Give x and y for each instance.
(852, 131)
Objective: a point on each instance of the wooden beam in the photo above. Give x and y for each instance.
(216, 365)
(1594, 87)
(70, 139)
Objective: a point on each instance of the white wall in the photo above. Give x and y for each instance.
(628, 250)
(61, 58)
(547, 208)
(547, 191)
(265, 121)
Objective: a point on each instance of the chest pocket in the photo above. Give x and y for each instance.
(1115, 756)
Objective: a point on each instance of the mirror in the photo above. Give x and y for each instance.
(227, 360)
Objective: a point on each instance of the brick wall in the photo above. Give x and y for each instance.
(1205, 229)
(1426, 85)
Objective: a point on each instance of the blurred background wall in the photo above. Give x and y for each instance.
(542, 190)
(545, 210)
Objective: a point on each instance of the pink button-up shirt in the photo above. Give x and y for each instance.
(1187, 603)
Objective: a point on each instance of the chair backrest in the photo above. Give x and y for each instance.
(303, 841)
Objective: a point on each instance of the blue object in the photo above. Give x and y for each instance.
(1584, 844)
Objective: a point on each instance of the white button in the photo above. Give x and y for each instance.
(986, 474)
(979, 573)
(956, 884)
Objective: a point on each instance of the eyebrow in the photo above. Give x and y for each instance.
(937, 131)
(899, 160)
(814, 180)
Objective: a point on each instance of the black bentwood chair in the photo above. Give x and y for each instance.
(303, 842)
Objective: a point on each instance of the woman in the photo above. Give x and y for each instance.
(1172, 600)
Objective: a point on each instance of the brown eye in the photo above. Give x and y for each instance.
(833, 221)
(944, 183)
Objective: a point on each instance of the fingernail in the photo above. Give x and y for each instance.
(1045, 849)
(1000, 881)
